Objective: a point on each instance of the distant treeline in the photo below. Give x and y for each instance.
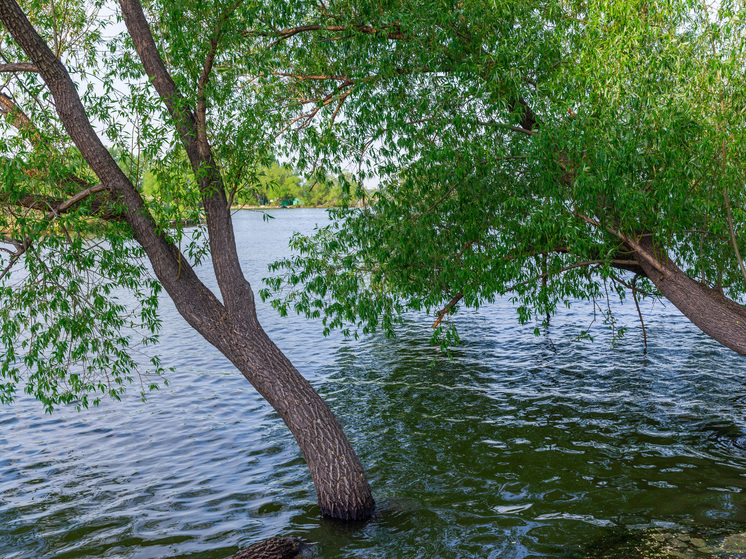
(273, 185)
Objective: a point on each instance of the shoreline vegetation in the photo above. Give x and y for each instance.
(273, 186)
(253, 207)
(237, 207)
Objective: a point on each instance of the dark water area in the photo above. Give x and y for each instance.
(520, 446)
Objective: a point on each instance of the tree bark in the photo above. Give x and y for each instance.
(721, 318)
(231, 326)
(272, 548)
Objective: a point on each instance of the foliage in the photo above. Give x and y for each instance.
(265, 185)
(66, 336)
(67, 259)
(67, 256)
(279, 183)
(520, 146)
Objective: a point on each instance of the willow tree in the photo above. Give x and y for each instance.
(545, 150)
(65, 336)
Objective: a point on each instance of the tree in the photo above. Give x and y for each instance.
(546, 150)
(67, 340)
(279, 182)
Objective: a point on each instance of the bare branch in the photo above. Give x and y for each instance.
(19, 67)
(639, 314)
(82, 195)
(445, 310)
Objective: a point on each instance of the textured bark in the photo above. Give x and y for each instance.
(721, 318)
(231, 326)
(272, 548)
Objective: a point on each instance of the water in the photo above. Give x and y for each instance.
(521, 446)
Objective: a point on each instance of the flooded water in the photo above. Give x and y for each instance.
(521, 446)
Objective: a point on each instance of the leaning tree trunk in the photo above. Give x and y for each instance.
(712, 312)
(341, 486)
(231, 326)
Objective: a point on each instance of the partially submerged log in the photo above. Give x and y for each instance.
(272, 548)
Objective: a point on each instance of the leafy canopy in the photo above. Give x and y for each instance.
(68, 260)
(516, 145)
(519, 146)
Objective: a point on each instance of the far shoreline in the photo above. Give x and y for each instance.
(237, 207)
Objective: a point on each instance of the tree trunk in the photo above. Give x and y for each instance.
(231, 326)
(342, 489)
(721, 318)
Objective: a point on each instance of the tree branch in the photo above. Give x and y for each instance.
(639, 313)
(385, 31)
(18, 119)
(236, 291)
(56, 209)
(204, 77)
(445, 310)
(19, 67)
(632, 243)
(202, 84)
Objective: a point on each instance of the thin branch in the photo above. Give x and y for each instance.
(445, 310)
(309, 116)
(639, 314)
(101, 206)
(11, 241)
(508, 127)
(582, 264)
(733, 233)
(504, 158)
(201, 109)
(19, 67)
(522, 130)
(18, 119)
(629, 241)
(54, 212)
(339, 106)
(56, 35)
(12, 263)
(438, 202)
(204, 78)
(82, 195)
(318, 77)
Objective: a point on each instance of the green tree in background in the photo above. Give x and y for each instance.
(545, 150)
(266, 185)
(281, 182)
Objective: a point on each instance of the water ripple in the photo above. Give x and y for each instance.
(519, 446)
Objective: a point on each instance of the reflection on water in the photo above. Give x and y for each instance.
(520, 446)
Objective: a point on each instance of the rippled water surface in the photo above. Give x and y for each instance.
(521, 446)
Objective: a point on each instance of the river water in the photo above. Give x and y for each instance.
(521, 446)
